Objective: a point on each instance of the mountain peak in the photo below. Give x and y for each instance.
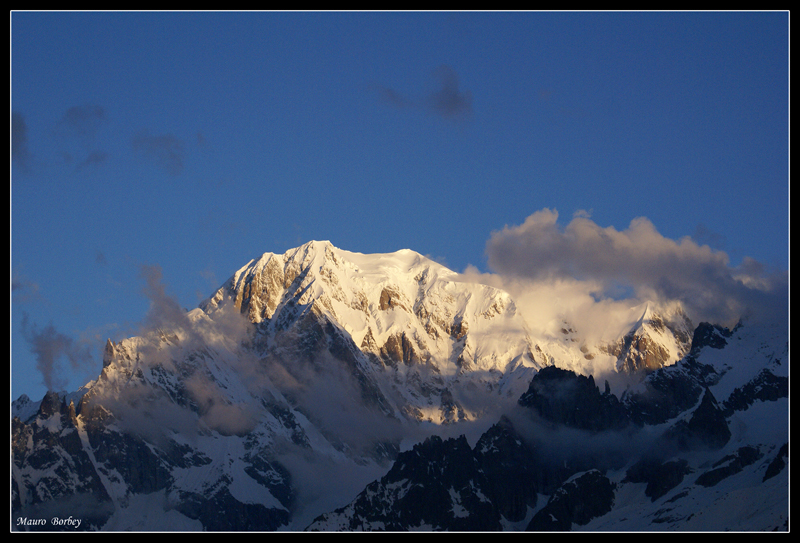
(648, 313)
(398, 313)
(316, 272)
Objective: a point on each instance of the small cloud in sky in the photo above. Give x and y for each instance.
(22, 288)
(166, 151)
(76, 130)
(83, 121)
(445, 99)
(391, 96)
(95, 158)
(448, 100)
(20, 154)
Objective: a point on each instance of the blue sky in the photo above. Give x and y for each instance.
(192, 142)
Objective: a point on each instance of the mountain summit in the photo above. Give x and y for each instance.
(413, 332)
(324, 388)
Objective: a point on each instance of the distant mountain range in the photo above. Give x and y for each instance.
(323, 389)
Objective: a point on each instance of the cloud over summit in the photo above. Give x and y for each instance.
(637, 259)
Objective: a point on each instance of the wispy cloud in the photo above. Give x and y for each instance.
(22, 288)
(166, 337)
(166, 151)
(165, 312)
(77, 130)
(83, 120)
(394, 98)
(95, 158)
(51, 348)
(20, 154)
(446, 99)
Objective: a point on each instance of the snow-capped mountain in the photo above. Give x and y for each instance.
(418, 338)
(319, 375)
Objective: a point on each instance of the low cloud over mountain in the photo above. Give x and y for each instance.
(636, 262)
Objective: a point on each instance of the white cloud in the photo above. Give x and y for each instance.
(582, 264)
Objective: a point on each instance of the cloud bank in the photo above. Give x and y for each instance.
(583, 258)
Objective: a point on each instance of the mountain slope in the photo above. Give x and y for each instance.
(709, 465)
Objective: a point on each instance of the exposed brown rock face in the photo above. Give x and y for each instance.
(639, 351)
(391, 298)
